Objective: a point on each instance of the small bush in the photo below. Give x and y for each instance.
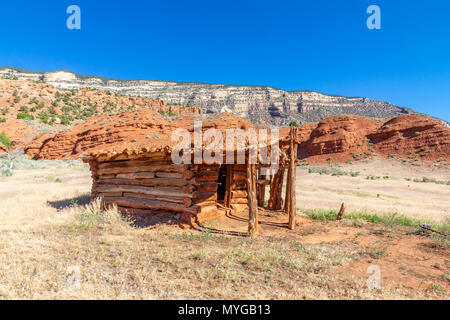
(4, 139)
(24, 115)
(391, 219)
(93, 216)
(332, 171)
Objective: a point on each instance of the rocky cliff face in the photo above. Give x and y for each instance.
(259, 104)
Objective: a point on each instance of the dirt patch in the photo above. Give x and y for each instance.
(407, 259)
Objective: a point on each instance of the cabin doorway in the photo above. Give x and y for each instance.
(222, 182)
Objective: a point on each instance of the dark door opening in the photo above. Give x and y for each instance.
(221, 187)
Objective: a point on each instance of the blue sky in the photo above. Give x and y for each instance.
(316, 45)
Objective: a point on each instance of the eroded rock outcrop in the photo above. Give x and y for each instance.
(259, 104)
(413, 137)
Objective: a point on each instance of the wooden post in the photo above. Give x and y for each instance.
(287, 198)
(273, 190)
(252, 204)
(261, 190)
(279, 190)
(292, 172)
(228, 183)
(341, 212)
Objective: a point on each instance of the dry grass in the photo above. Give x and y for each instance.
(46, 229)
(388, 193)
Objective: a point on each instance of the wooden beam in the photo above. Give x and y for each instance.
(292, 173)
(228, 184)
(252, 207)
(279, 191)
(341, 212)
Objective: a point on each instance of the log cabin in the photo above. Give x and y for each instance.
(142, 178)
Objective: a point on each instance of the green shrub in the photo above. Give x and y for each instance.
(293, 123)
(2, 120)
(4, 139)
(65, 119)
(24, 115)
(332, 171)
(388, 219)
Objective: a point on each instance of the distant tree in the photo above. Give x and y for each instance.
(293, 124)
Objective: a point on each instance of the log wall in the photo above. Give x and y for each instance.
(140, 185)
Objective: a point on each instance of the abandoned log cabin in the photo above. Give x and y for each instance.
(142, 178)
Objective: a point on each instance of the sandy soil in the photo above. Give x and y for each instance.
(44, 233)
(383, 195)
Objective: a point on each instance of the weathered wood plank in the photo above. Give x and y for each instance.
(164, 192)
(135, 175)
(252, 207)
(150, 204)
(164, 182)
(292, 173)
(178, 168)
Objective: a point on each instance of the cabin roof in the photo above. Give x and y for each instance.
(154, 135)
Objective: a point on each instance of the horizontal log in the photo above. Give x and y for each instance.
(212, 167)
(109, 194)
(207, 187)
(240, 167)
(150, 204)
(188, 174)
(187, 202)
(206, 176)
(238, 185)
(239, 194)
(135, 175)
(132, 163)
(146, 182)
(106, 176)
(163, 192)
(150, 168)
(149, 155)
(199, 197)
(172, 175)
(239, 175)
(189, 189)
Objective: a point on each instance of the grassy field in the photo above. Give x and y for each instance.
(50, 239)
(380, 186)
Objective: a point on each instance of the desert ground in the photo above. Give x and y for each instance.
(49, 236)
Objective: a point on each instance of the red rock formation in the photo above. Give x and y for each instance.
(126, 131)
(353, 138)
(413, 136)
(18, 132)
(340, 138)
